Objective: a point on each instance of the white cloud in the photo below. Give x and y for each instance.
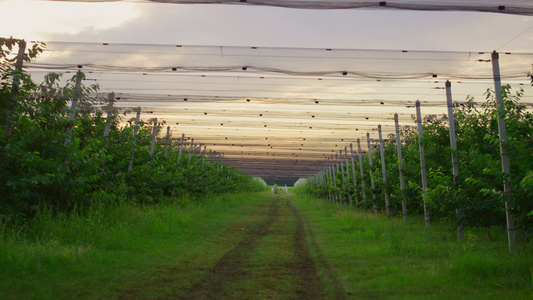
(39, 20)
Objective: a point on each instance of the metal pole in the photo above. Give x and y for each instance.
(371, 175)
(384, 171)
(422, 162)
(455, 162)
(400, 167)
(503, 152)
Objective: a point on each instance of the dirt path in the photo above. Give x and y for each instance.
(272, 260)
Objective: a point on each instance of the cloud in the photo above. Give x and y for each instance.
(43, 20)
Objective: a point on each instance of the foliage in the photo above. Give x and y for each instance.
(478, 189)
(48, 161)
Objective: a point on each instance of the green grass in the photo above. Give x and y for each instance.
(384, 259)
(110, 248)
(123, 251)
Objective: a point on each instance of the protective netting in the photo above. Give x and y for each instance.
(524, 7)
(280, 111)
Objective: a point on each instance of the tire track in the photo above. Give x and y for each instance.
(304, 226)
(230, 267)
(276, 259)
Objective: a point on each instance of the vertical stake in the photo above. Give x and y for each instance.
(343, 183)
(384, 171)
(354, 176)
(361, 169)
(347, 173)
(334, 181)
(422, 162)
(154, 131)
(400, 167)
(375, 205)
(503, 152)
(455, 163)
(111, 98)
(130, 167)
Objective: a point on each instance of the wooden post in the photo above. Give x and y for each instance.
(15, 89)
(371, 175)
(422, 162)
(361, 169)
(503, 152)
(384, 171)
(111, 98)
(455, 163)
(154, 131)
(130, 167)
(354, 176)
(400, 167)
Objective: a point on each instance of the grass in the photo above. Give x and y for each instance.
(385, 259)
(122, 251)
(106, 250)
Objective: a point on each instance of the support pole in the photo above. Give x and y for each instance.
(111, 98)
(400, 167)
(130, 167)
(330, 181)
(455, 162)
(334, 182)
(503, 152)
(343, 183)
(182, 141)
(361, 169)
(422, 163)
(384, 171)
(354, 176)
(347, 164)
(374, 204)
(337, 166)
(154, 131)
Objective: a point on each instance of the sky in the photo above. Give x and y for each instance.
(260, 128)
(246, 25)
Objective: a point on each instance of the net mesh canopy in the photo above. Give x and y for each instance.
(281, 112)
(523, 7)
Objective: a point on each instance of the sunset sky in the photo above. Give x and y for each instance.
(286, 125)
